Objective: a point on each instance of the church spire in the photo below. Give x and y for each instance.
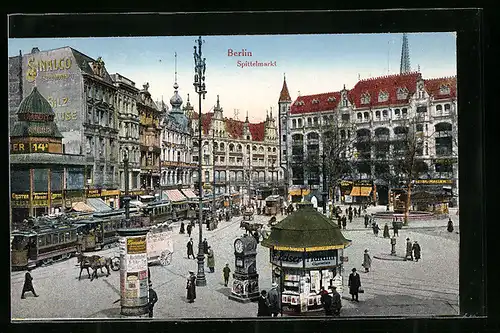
(284, 95)
(405, 56)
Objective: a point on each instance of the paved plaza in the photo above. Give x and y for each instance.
(392, 288)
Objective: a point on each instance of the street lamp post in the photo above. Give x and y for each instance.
(272, 177)
(126, 199)
(199, 84)
(324, 184)
(214, 148)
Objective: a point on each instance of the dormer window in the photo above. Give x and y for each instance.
(315, 101)
(331, 99)
(444, 89)
(402, 93)
(365, 98)
(383, 96)
(300, 103)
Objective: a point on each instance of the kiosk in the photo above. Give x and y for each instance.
(305, 251)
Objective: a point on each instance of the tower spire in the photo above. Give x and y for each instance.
(284, 95)
(175, 61)
(405, 56)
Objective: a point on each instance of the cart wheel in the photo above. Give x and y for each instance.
(115, 264)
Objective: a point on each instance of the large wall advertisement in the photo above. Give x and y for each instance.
(58, 78)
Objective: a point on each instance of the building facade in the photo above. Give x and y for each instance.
(236, 155)
(128, 134)
(39, 171)
(81, 93)
(149, 137)
(374, 115)
(177, 148)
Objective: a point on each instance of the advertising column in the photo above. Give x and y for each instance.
(133, 271)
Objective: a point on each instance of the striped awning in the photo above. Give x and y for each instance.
(174, 195)
(360, 191)
(189, 194)
(298, 191)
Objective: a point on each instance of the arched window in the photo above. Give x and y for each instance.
(231, 147)
(221, 146)
(404, 112)
(300, 123)
(294, 123)
(366, 115)
(385, 114)
(377, 115)
(360, 116)
(447, 108)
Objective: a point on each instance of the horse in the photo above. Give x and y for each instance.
(100, 262)
(85, 263)
(251, 227)
(272, 221)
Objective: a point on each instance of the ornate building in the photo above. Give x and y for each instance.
(149, 136)
(39, 171)
(375, 110)
(128, 135)
(236, 155)
(177, 166)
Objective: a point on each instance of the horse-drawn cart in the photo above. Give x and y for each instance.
(248, 214)
(160, 248)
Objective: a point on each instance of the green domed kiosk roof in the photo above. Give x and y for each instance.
(306, 230)
(35, 103)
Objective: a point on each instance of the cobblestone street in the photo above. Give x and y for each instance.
(427, 287)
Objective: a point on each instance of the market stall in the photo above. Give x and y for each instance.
(305, 251)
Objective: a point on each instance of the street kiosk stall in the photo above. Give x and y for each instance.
(305, 249)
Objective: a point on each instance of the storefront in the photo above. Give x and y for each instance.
(298, 192)
(305, 253)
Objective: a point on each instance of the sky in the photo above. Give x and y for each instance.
(313, 64)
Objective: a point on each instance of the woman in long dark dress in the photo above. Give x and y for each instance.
(263, 306)
(191, 287)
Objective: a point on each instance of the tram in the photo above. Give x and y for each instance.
(158, 212)
(42, 245)
(273, 204)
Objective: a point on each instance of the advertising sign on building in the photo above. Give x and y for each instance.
(321, 259)
(134, 271)
(57, 76)
(287, 259)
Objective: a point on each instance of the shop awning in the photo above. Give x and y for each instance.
(361, 191)
(174, 195)
(82, 207)
(299, 191)
(189, 194)
(98, 204)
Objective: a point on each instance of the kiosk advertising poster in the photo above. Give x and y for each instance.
(134, 258)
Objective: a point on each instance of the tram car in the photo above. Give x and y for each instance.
(273, 205)
(180, 210)
(42, 245)
(158, 212)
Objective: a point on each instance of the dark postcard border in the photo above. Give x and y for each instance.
(471, 137)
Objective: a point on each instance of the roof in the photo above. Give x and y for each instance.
(98, 204)
(35, 103)
(258, 131)
(433, 87)
(284, 94)
(81, 207)
(83, 61)
(189, 193)
(315, 103)
(306, 228)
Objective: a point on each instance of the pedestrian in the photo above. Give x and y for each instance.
(367, 220)
(350, 215)
(367, 261)
(409, 247)
(336, 301)
(416, 250)
(152, 299)
(226, 270)
(376, 229)
(450, 225)
(256, 236)
(274, 300)
(344, 222)
(205, 246)
(354, 284)
(190, 251)
(182, 228)
(346, 211)
(395, 227)
(210, 260)
(28, 284)
(189, 229)
(263, 305)
(339, 221)
(326, 301)
(359, 211)
(191, 287)
(386, 231)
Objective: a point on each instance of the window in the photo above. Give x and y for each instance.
(447, 108)
(420, 127)
(402, 93)
(360, 116)
(284, 139)
(315, 121)
(366, 115)
(331, 99)
(300, 123)
(294, 123)
(444, 89)
(404, 112)
(422, 109)
(383, 96)
(377, 115)
(365, 98)
(385, 114)
(439, 109)
(309, 122)
(345, 117)
(397, 113)
(315, 101)
(283, 153)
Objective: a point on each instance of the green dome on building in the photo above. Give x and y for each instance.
(306, 230)
(35, 118)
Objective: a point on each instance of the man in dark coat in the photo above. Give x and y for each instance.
(450, 225)
(28, 284)
(226, 270)
(274, 300)
(350, 215)
(386, 231)
(336, 301)
(354, 284)
(367, 220)
(181, 231)
(189, 229)
(152, 299)
(416, 250)
(205, 246)
(344, 222)
(191, 287)
(190, 251)
(326, 300)
(339, 221)
(263, 305)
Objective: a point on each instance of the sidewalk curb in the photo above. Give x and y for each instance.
(389, 257)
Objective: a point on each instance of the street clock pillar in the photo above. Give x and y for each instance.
(245, 278)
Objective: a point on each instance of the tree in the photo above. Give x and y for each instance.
(339, 138)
